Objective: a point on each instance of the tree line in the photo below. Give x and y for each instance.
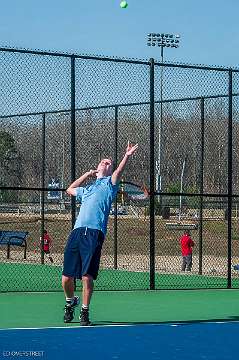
(22, 147)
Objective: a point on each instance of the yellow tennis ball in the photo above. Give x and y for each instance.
(123, 4)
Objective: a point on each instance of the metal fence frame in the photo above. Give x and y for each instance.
(152, 64)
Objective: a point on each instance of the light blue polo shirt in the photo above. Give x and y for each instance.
(96, 200)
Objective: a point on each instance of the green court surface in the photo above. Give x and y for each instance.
(36, 277)
(35, 310)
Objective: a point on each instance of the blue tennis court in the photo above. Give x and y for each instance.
(210, 340)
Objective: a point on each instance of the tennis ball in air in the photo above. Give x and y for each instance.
(123, 4)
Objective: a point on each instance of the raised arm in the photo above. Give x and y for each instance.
(78, 182)
(118, 172)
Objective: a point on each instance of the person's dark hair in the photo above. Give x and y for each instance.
(45, 231)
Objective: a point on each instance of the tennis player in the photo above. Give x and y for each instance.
(83, 249)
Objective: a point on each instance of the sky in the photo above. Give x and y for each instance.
(208, 28)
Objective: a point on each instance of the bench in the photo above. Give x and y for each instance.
(16, 238)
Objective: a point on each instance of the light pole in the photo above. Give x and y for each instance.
(63, 117)
(162, 41)
(181, 190)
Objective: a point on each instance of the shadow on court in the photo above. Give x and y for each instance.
(188, 322)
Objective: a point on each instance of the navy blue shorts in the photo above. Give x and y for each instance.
(82, 253)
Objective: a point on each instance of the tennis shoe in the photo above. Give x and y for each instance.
(84, 317)
(70, 310)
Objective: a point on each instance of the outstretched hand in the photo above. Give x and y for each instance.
(131, 149)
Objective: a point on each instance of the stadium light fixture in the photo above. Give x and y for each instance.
(163, 40)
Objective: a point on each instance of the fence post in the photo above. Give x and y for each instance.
(202, 107)
(115, 202)
(229, 174)
(73, 141)
(152, 179)
(42, 193)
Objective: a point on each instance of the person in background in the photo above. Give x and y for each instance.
(46, 246)
(187, 248)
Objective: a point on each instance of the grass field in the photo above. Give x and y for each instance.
(132, 234)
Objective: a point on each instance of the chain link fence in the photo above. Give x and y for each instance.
(60, 114)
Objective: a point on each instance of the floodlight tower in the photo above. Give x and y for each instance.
(162, 41)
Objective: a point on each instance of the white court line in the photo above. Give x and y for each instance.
(124, 325)
(69, 327)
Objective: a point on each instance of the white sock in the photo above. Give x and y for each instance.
(85, 306)
(69, 300)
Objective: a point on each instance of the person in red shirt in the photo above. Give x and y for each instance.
(46, 245)
(187, 248)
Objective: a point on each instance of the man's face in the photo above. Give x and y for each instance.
(105, 167)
